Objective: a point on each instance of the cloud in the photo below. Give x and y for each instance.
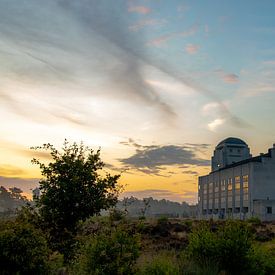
(10, 170)
(269, 62)
(192, 48)
(153, 159)
(213, 125)
(190, 172)
(210, 108)
(139, 9)
(147, 22)
(159, 41)
(259, 89)
(84, 43)
(231, 78)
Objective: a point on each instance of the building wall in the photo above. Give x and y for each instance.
(227, 193)
(242, 191)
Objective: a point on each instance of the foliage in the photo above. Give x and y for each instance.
(117, 215)
(111, 252)
(234, 239)
(162, 220)
(72, 190)
(203, 246)
(23, 249)
(220, 248)
(163, 264)
(260, 261)
(254, 220)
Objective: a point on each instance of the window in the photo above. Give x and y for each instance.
(237, 183)
(229, 186)
(245, 181)
(269, 210)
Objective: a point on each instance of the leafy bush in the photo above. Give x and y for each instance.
(163, 264)
(254, 220)
(260, 261)
(112, 252)
(23, 249)
(203, 246)
(226, 249)
(234, 243)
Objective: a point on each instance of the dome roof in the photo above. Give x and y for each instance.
(232, 140)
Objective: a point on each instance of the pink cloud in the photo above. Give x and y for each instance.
(230, 78)
(159, 41)
(150, 22)
(192, 48)
(139, 9)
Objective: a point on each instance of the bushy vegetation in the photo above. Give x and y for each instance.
(163, 264)
(113, 251)
(228, 248)
(23, 249)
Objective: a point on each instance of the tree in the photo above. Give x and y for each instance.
(23, 249)
(72, 189)
(11, 200)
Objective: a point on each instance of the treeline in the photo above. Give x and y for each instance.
(150, 207)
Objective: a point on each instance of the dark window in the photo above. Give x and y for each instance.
(230, 150)
(269, 210)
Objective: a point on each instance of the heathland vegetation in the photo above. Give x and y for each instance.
(63, 232)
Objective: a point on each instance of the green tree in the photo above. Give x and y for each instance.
(23, 249)
(72, 189)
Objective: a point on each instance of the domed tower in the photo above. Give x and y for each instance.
(229, 151)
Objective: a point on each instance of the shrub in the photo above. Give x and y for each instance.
(163, 264)
(108, 253)
(203, 246)
(260, 261)
(234, 243)
(254, 220)
(23, 249)
(225, 249)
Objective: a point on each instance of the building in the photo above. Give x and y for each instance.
(239, 185)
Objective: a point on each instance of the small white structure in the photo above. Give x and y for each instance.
(239, 185)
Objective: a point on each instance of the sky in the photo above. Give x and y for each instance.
(155, 84)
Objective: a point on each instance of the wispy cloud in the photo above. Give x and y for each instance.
(159, 41)
(147, 23)
(192, 48)
(84, 43)
(139, 9)
(213, 125)
(231, 78)
(10, 170)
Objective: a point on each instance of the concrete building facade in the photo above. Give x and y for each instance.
(239, 185)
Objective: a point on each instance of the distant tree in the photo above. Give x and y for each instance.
(72, 189)
(11, 200)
